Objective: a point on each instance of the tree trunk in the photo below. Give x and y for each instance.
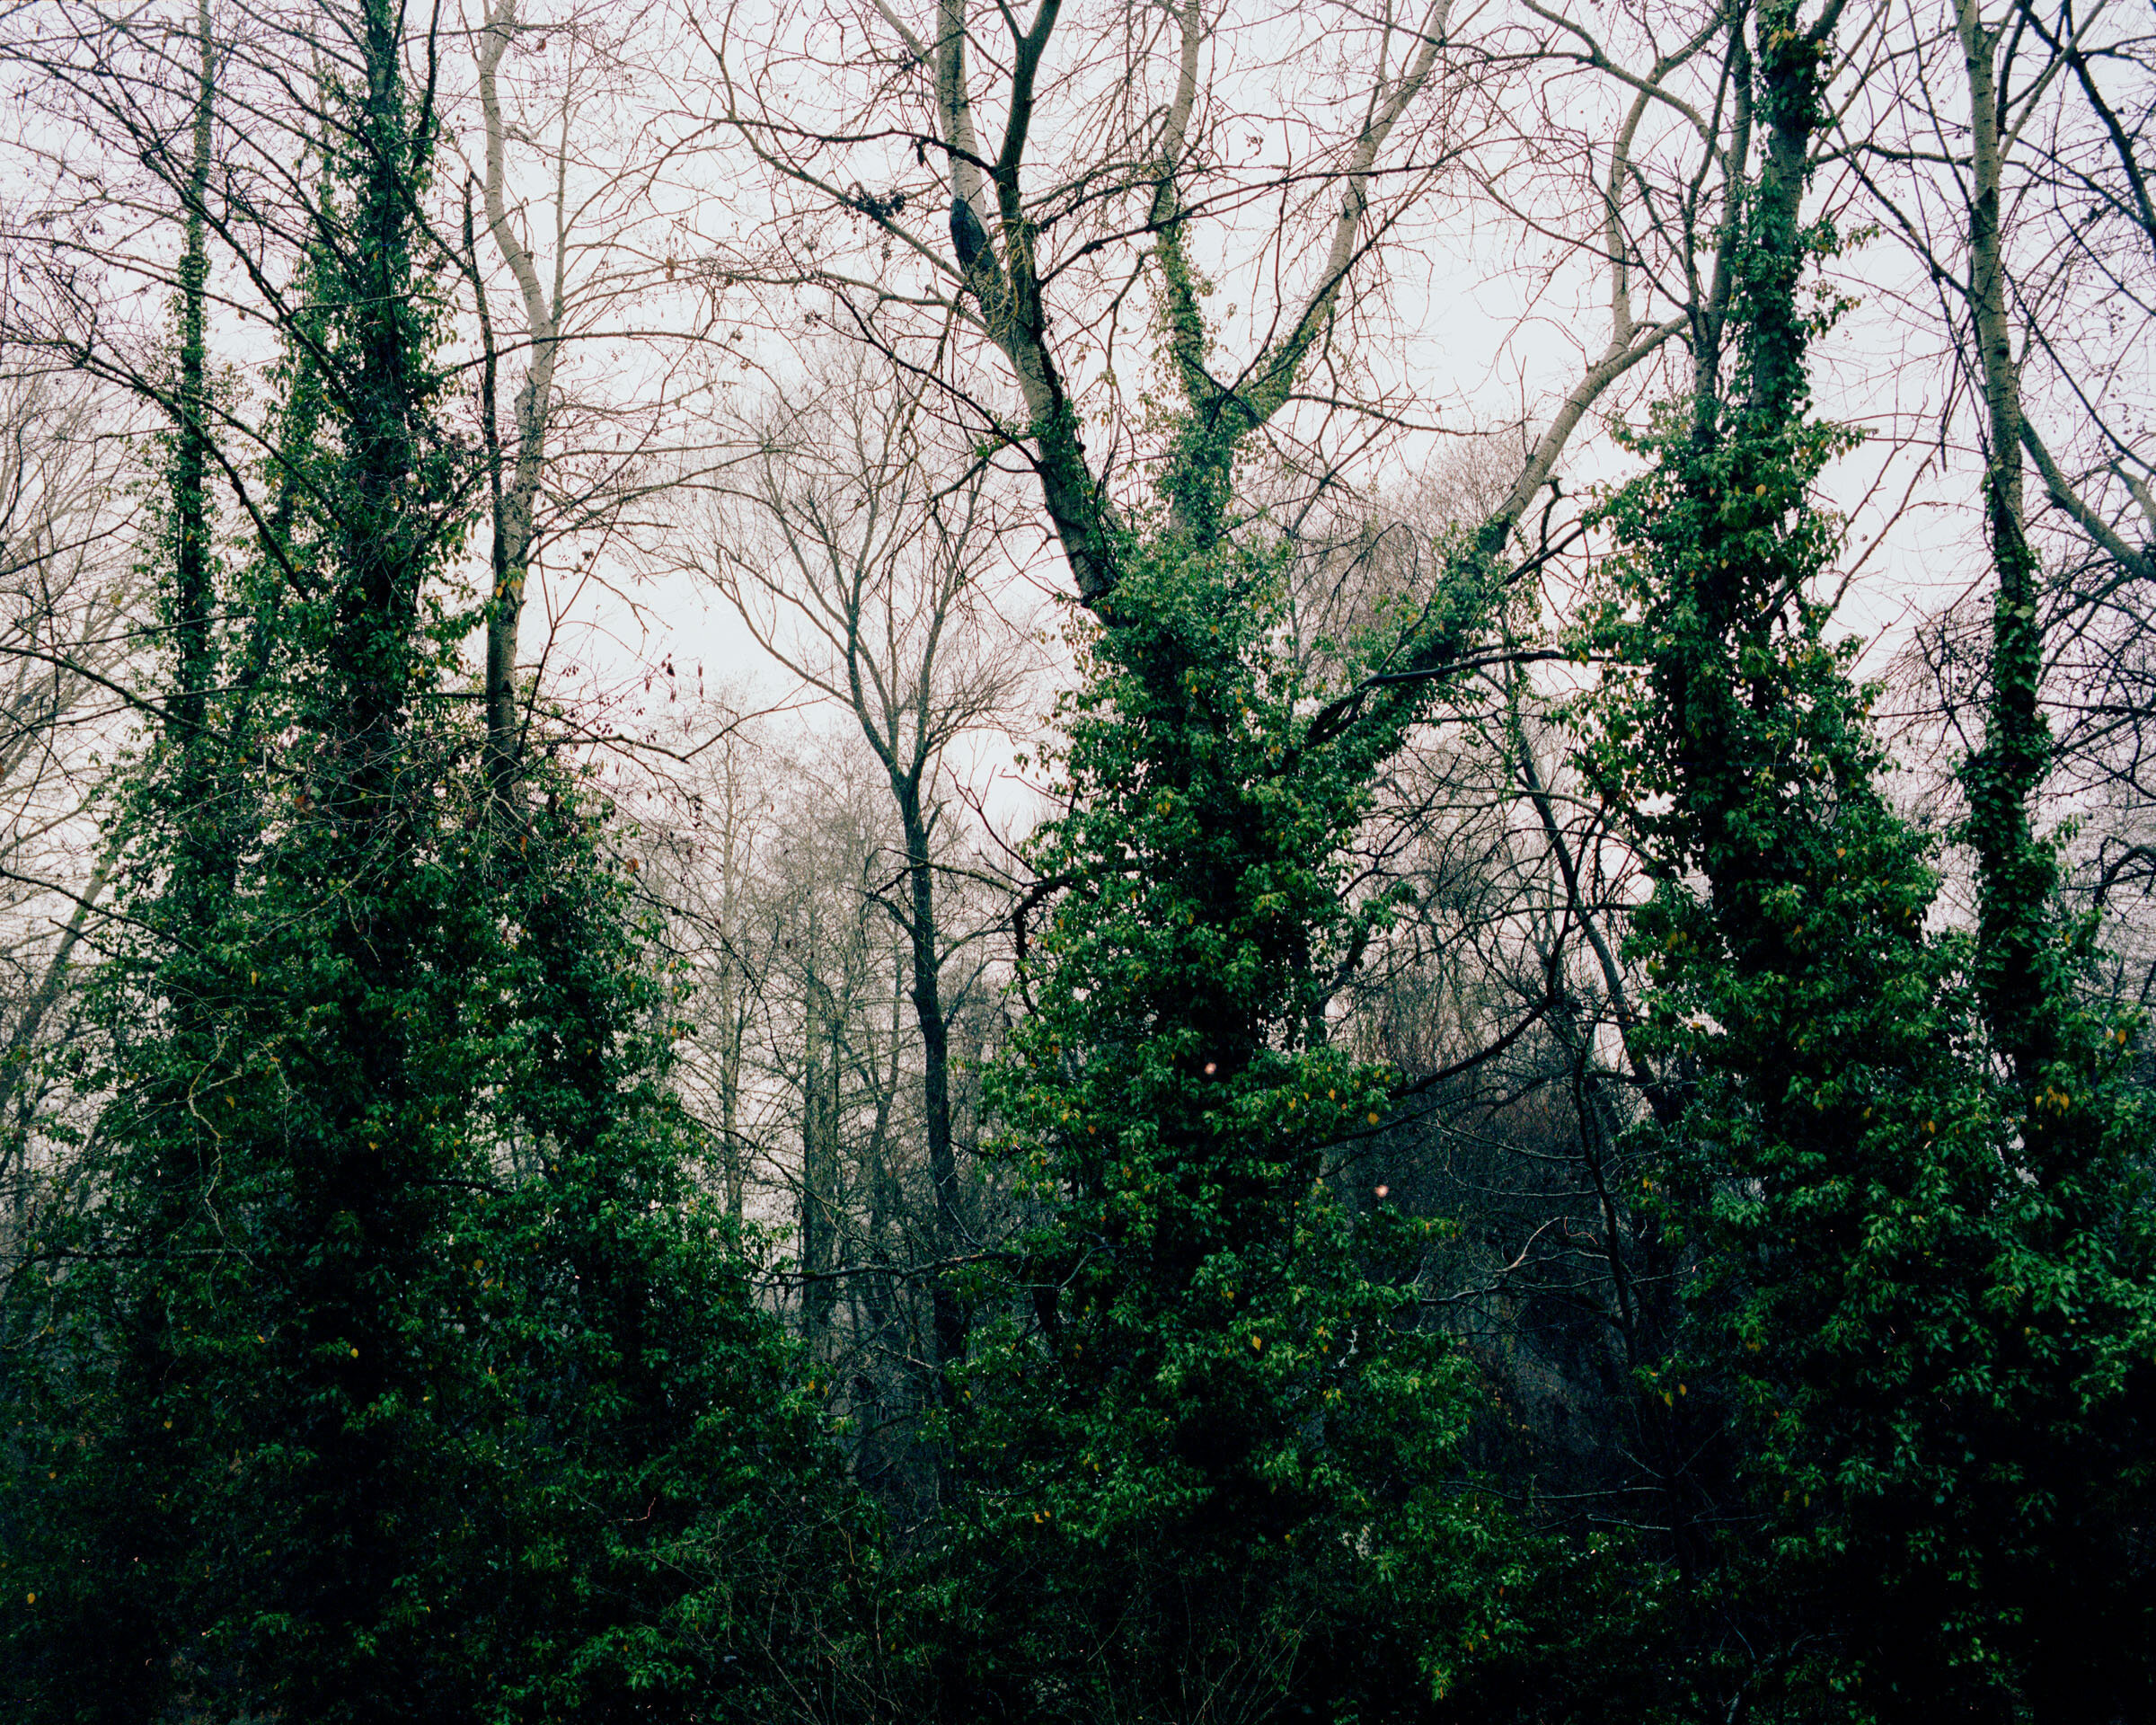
(194, 603)
(515, 493)
(732, 1162)
(2016, 871)
(946, 1316)
(819, 1164)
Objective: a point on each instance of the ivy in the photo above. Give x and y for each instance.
(1902, 1304)
(389, 1360)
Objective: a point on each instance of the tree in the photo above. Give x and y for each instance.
(1126, 166)
(1878, 1250)
(64, 596)
(514, 484)
(1495, 1191)
(2030, 221)
(1215, 790)
(393, 1365)
(859, 567)
(707, 829)
(574, 207)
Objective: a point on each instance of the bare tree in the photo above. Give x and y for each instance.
(67, 587)
(1095, 176)
(864, 558)
(579, 319)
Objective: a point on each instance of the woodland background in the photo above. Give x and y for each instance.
(1169, 861)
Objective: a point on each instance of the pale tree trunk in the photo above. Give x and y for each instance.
(732, 1162)
(516, 483)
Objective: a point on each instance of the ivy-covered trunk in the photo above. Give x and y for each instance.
(190, 520)
(393, 1366)
(2074, 1128)
(1211, 1445)
(2018, 963)
(1883, 1374)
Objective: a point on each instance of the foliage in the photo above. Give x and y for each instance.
(1900, 1313)
(1214, 1449)
(390, 1362)
(383, 1354)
